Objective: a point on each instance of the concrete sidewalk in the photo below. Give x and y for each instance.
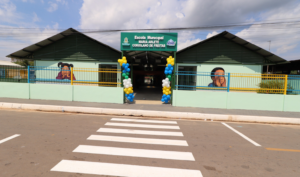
(164, 110)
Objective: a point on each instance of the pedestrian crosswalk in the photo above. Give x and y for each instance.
(138, 140)
(99, 168)
(144, 121)
(124, 131)
(140, 132)
(142, 126)
(135, 152)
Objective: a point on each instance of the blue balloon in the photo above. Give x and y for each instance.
(126, 95)
(169, 65)
(128, 69)
(166, 72)
(124, 71)
(123, 65)
(169, 72)
(171, 68)
(169, 96)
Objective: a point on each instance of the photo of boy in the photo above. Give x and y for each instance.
(65, 72)
(217, 75)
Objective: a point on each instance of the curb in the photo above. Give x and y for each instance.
(146, 113)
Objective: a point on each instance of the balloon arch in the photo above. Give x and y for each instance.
(166, 87)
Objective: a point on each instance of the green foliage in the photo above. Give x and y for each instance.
(25, 63)
(294, 72)
(273, 84)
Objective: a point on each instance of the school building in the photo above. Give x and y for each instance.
(223, 71)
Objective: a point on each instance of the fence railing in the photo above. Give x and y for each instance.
(293, 85)
(107, 77)
(191, 80)
(238, 82)
(13, 74)
(62, 75)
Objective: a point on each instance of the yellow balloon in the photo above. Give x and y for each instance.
(170, 60)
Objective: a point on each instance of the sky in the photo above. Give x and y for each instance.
(25, 22)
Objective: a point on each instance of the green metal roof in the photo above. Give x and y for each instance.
(23, 53)
(264, 53)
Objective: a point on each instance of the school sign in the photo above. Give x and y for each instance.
(148, 41)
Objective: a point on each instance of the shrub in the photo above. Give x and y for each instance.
(274, 84)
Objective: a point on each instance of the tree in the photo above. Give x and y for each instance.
(25, 63)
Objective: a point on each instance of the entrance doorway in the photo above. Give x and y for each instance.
(147, 53)
(147, 75)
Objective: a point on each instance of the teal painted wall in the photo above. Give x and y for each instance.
(254, 101)
(204, 99)
(229, 68)
(91, 76)
(14, 90)
(62, 92)
(77, 64)
(292, 103)
(98, 94)
(51, 92)
(235, 100)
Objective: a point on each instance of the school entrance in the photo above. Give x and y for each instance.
(147, 55)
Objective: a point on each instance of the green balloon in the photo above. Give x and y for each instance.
(169, 76)
(123, 74)
(126, 77)
(127, 73)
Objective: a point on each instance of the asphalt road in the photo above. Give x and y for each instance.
(69, 145)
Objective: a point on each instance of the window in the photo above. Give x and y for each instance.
(108, 75)
(187, 77)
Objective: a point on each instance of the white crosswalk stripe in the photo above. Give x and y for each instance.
(135, 152)
(144, 121)
(102, 168)
(138, 140)
(98, 168)
(140, 132)
(142, 125)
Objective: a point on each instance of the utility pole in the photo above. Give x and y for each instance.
(269, 51)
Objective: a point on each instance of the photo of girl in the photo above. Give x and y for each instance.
(65, 71)
(217, 75)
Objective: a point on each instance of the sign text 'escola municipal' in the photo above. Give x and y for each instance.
(148, 41)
